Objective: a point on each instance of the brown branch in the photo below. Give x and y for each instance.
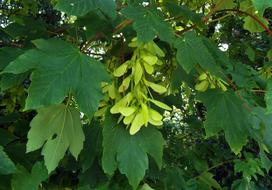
(258, 90)
(251, 16)
(215, 10)
(117, 29)
(122, 25)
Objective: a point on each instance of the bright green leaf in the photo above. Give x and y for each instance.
(261, 5)
(253, 26)
(62, 121)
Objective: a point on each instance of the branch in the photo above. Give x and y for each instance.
(213, 167)
(250, 15)
(215, 10)
(117, 29)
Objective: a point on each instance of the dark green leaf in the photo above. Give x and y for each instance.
(23, 180)
(60, 68)
(222, 111)
(182, 12)
(82, 7)
(192, 45)
(129, 153)
(92, 145)
(6, 137)
(148, 23)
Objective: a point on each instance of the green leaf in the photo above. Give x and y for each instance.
(183, 12)
(226, 4)
(222, 111)
(208, 179)
(9, 80)
(253, 26)
(148, 23)
(265, 161)
(261, 5)
(7, 55)
(268, 97)
(23, 180)
(262, 128)
(192, 45)
(6, 165)
(249, 168)
(92, 145)
(250, 53)
(242, 184)
(5, 136)
(60, 68)
(58, 128)
(145, 187)
(269, 55)
(82, 7)
(174, 178)
(129, 153)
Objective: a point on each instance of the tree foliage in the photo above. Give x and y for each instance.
(130, 94)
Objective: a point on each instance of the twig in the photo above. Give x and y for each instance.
(214, 166)
(250, 15)
(118, 28)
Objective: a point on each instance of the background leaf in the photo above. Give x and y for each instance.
(6, 165)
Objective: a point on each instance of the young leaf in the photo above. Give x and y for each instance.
(62, 121)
